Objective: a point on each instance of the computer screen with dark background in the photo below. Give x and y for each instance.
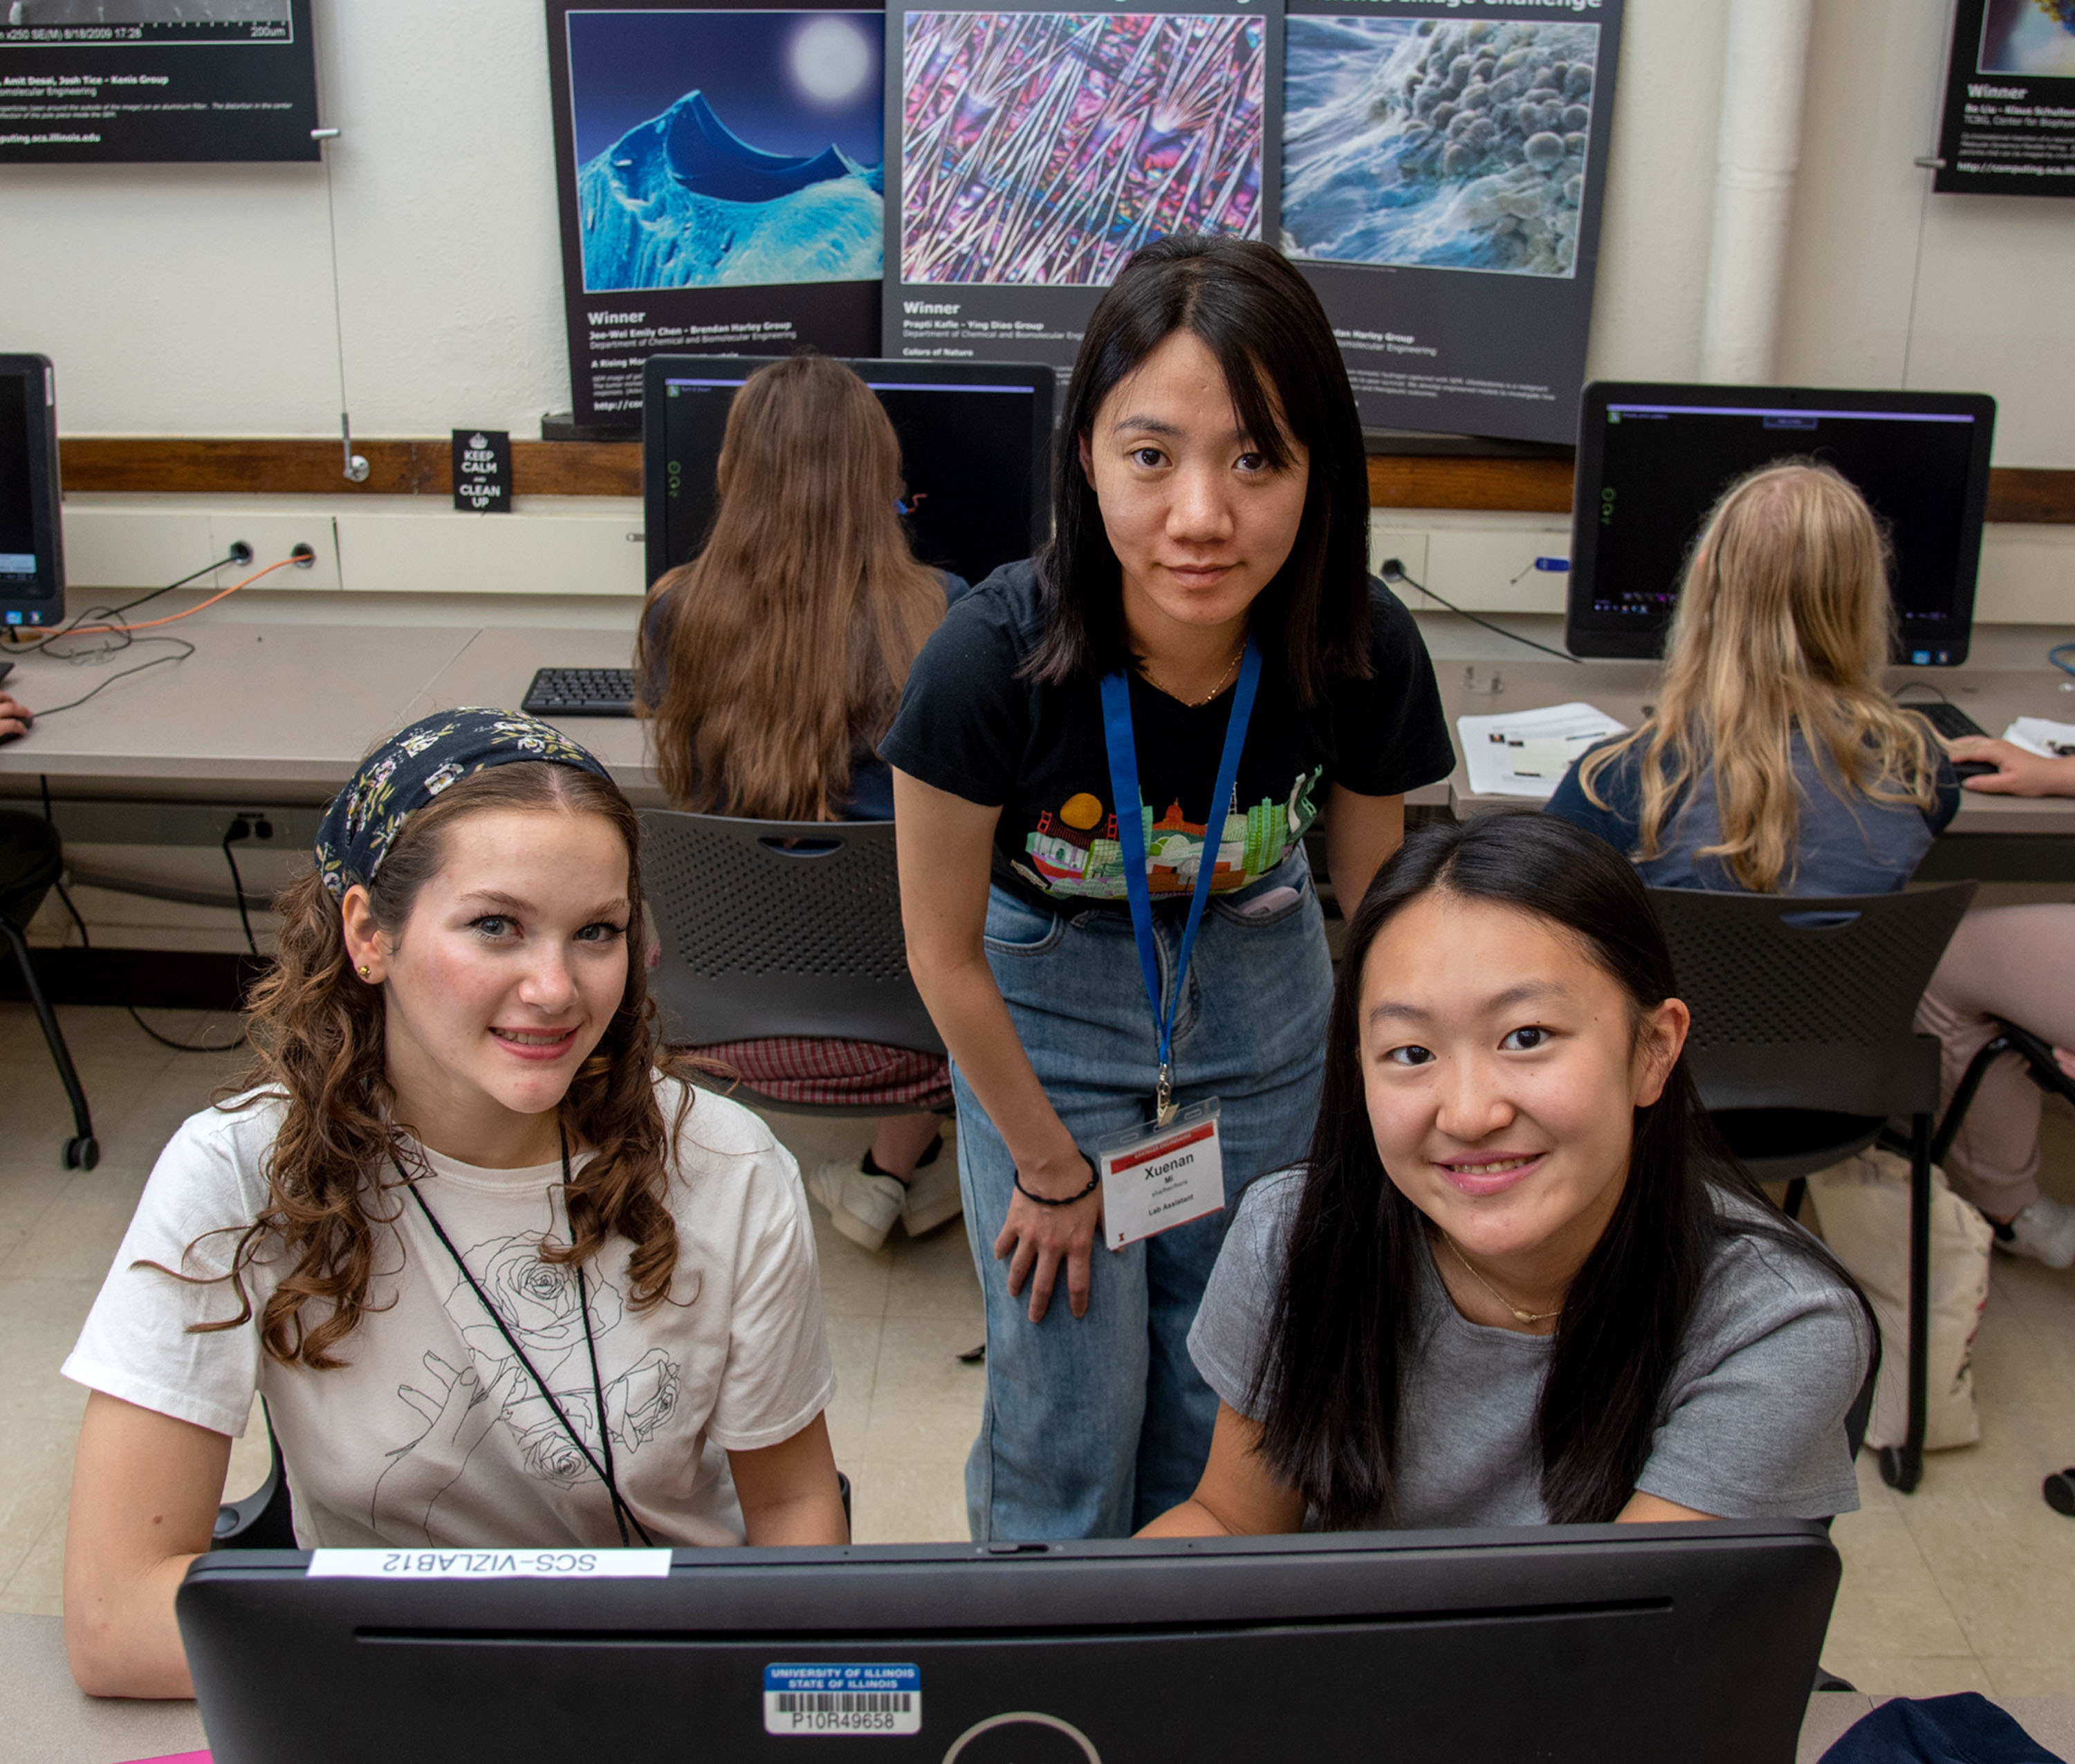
(1653, 459)
(31, 536)
(975, 440)
(17, 534)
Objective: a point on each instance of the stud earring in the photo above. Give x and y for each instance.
(364, 974)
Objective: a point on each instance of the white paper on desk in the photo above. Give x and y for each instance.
(2049, 739)
(1525, 753)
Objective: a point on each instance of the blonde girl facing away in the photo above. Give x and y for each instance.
(771, 664)
(1775, 761)
(501, 1277)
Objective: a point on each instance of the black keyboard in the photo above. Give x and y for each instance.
(580, 692)
(1949, 720)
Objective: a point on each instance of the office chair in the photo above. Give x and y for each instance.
(781, 928)
(82, 1151)
(1803, 1046)
(2045, 1071)
(265, 1518)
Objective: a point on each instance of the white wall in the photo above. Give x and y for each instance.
(1891, 285)
(198, 299)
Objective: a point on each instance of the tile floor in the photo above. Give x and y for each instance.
(1969, 1584)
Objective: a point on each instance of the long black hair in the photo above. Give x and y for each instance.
(1343, 1322)
(1271, 337)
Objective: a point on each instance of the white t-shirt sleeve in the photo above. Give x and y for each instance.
(137, 1344)
(779, 1374)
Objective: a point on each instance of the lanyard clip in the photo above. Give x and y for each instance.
(1163, 1103)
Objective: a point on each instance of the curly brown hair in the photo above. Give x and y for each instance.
(317, 1036)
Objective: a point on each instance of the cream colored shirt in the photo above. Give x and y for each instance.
(434, 1432)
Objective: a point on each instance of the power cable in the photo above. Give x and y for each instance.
(1394, 571)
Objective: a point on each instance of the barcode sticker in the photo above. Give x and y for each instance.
(839, 1699)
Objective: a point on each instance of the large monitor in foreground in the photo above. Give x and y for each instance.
(31, 535)
(1652, 459)
(1565, 1645)
(976, 451)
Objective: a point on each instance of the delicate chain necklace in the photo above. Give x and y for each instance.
(1224, 680)
(1519, 1315)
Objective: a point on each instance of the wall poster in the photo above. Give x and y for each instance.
(2009, 122)
(719, 170)
(110, 82)
(1442, 171)
(1031, 150)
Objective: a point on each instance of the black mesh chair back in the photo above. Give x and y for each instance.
(1808, 1003)
(775, 928)
(1803, 1046)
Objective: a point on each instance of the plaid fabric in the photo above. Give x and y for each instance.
(826, 1072)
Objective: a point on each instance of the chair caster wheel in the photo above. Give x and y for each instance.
(1898, 1475)
(2059, 1489)
(83, 1153)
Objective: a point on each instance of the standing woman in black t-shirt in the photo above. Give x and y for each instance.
(1203, 619)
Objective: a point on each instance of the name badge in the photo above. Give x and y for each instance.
(1155, 1178)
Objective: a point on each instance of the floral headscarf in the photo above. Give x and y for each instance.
(411, 767)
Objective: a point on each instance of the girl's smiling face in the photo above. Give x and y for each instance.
(1502, 1067)
(507, 975)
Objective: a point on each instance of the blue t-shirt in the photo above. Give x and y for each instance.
(1844, 842)
(870, 797)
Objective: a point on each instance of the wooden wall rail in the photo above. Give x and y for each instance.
(396, 468)
(423, 468)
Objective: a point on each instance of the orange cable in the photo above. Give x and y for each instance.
(146, 624)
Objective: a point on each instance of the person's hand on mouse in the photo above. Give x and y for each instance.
(15, 717)
(2018, 773)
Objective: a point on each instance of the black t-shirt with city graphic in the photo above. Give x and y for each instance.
(970, 723)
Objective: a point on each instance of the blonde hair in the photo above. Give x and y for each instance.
(790, 635)
(1782, 625)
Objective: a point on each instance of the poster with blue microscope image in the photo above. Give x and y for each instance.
(2009, 122)
(1442, 170)
(721, 176)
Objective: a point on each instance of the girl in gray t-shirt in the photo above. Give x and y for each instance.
(1518, 1279)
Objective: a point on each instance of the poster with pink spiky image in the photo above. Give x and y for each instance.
(1031, 150)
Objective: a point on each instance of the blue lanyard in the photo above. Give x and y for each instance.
(1131, 838)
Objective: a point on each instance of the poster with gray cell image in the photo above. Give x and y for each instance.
(1441, 180)
(117, 80)
(188, 12)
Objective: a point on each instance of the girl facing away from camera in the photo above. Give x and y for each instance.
(771, 664)
(1517, 1281)
(1775, 761)
(499, 1276)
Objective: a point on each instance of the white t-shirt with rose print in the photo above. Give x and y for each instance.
(433, 1432)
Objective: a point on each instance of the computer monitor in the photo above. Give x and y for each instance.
(1564, 1644)
(1653, 458)
(976, 451)
(31, 531)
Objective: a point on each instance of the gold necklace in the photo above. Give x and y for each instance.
(1519, 1315)
(1224, 680)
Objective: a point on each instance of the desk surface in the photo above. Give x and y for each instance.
(296, 704)
(1992, 697)
(44, 1719)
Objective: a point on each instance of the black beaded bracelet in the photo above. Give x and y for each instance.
(1095, 1181)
